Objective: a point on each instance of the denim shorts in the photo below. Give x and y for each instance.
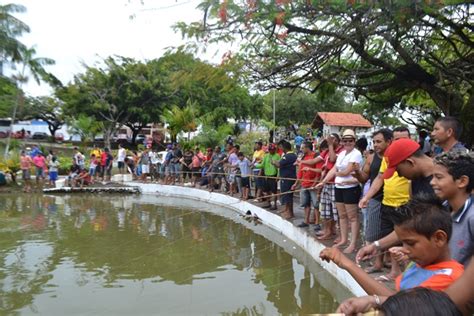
(309, 198)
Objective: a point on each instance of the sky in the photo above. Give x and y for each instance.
(73, 32)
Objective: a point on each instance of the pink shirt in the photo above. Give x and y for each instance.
(25, 162)
(39, 161)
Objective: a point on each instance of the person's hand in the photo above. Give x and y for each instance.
(318, 186)
(334, 255)
(330, 140)
(400, 254)
(365, 253)
(355, 305)
(355, 167)
(305, 168)
(293, 187)
(363, 202)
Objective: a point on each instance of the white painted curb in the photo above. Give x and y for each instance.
(297, 235)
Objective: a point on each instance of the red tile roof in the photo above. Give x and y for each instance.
(343, 119)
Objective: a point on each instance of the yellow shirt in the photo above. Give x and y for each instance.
(396, 190)
(258, 155)
(96, 152)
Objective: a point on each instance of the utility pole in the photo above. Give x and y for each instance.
(274, 117)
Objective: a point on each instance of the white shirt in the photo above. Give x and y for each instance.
(121, 154)
(342, 162)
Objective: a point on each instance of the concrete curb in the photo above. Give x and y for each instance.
(299, 236)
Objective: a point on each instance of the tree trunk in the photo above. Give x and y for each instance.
(52, 130)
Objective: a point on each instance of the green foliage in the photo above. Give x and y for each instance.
(211, 137)
(382, 52)
(11, 164)
(15, 144)
(180, 120)
(247, 141)
(65, 164)
(86, 127)
(8, 96)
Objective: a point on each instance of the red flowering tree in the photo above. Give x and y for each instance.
(392, 53)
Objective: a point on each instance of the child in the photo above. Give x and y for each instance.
(453, 181)
(53, 171)
(245, 167)
(83, 178)
(424, 227)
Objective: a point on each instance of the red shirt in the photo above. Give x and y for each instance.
(328, 164)
(103, 159)
(437, 276)
(307, 177)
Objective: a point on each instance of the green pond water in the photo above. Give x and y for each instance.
(132, 255)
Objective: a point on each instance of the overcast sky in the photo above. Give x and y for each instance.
(76, 31)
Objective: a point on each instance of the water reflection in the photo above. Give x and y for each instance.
(174, 261)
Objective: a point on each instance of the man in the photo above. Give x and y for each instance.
(270, 172)
(122, 153)
(446, 133)
(381, 140)
(298, 142)
(257, 158)
(177, 155)
(217, 169)
(287, 168)
(405, 157)
(327, 208)
(396, 192)
(306, 178)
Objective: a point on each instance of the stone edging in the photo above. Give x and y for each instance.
(295, 234)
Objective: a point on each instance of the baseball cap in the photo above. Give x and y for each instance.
(271, 147)
(397, 152)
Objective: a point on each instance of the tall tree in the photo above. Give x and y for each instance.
(49, 110)
(384, 51)
(11, 28)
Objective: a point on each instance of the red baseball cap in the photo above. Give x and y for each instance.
(397, 152)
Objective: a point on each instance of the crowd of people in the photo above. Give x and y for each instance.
(396, 186)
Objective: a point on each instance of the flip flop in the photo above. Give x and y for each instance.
(385, 278)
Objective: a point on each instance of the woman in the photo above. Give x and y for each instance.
(347, 190)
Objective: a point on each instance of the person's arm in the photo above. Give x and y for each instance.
(363, 175)
(328, 176)
(356, 305)
(368, 251)
(375, 186)
(363, 278)
(312, 161)
(332, 151)
(461, 292)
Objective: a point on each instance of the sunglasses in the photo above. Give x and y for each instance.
(348, 140)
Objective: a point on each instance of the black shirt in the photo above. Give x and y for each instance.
(373, 173)
(287, 165)
(422, 185)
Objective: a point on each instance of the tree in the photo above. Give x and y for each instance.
(48, 110)
(11, 28)
(119, 92)
(382, 51)
(180, 120)
(300, 107)
(86, 127)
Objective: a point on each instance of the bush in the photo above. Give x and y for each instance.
(247, 141)
(65, 164)
(11, 165)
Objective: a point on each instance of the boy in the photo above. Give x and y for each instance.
(453, 181)
(424, 227)
(245, 167)
(83, 178)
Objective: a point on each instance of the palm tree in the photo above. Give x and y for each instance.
(10, 29)
(180, 120)
(35, 66)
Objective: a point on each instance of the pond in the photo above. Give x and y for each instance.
(110, 254)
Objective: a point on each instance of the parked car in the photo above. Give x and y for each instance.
(140, 139)
(59, 137)
(121, 139)
(40, 135)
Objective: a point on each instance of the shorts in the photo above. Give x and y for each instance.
(26, 174)
(309, 197)
(348, 196)
(92, 171)
(39, 172)
(108, 171)
(187, 172)
(271, 185)
(327, 207)
(386, 224)
(53, 175)
(285, 186)
(245, 182)
(196, 171)
(145, 169)
(259, 181)
(373, 227)
(120, 164)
